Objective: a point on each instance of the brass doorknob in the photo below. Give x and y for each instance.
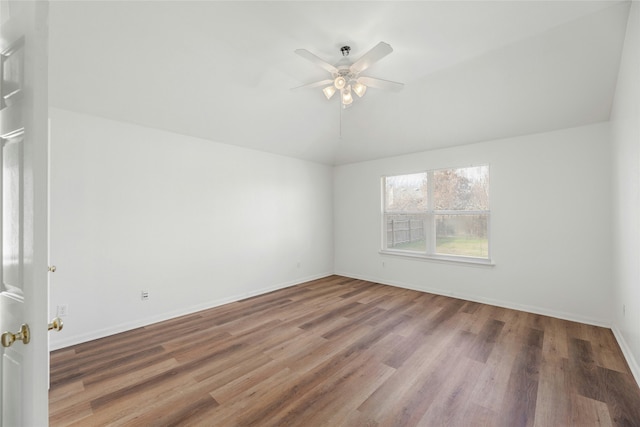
(24, 335)
(56, 324)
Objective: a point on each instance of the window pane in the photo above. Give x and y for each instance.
(462, 235)
(465, 189)
(406, 232)
(406, 192)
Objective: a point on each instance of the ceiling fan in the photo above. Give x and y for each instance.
(346, 77)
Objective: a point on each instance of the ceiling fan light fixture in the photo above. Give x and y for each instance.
(359, 89)
(345, 77)
(329, 91)
(347, 98)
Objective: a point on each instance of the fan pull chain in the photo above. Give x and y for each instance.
(340, 106)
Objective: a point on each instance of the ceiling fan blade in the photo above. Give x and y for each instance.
(380, 83)
(313, 58)
(378, 52)
(314, 84)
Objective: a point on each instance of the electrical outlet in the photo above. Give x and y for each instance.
(62, 310)
(144, 295)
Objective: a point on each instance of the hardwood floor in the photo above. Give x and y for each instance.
(345, 352)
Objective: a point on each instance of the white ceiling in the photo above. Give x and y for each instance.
(222, 71)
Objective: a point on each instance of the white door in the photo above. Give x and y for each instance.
(23, 138)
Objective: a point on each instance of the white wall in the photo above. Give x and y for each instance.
(550, 224)
(625, 119)
(194, 222)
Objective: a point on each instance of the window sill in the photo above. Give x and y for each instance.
(481, 262)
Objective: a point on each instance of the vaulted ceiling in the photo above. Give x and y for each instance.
(222, 71)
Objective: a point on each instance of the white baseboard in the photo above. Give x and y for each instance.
(127, 326)
(628, 354)
(499, 303)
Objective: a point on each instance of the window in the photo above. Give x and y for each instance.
(438, 214)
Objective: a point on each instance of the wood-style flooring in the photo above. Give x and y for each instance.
(346, 352)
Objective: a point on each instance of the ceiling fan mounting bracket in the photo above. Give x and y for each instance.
(345, 50)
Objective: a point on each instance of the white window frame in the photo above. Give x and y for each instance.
(430, 224)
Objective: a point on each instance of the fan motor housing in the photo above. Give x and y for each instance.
(344, 71)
